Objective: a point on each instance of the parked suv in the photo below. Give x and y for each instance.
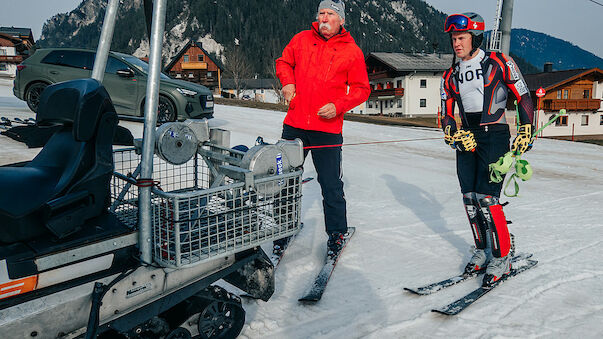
(125, 79)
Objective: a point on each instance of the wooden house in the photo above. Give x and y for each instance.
(195, 64)
(578, 91)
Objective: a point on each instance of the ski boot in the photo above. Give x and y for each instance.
(477, 263)
(497, 269)
(334, 244)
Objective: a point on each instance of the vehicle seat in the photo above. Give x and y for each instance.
(67, 183)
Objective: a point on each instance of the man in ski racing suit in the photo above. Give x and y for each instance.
(324, 75)
(479, 84)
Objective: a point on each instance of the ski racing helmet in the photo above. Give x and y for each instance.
(467, 22)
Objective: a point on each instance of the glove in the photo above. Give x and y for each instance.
(448, 136)
(464, 141)
(523, 140)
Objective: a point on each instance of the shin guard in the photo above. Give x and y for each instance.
(494, 216)
(478, 228)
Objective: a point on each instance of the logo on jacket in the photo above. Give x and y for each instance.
(513, 70)
(521, 87)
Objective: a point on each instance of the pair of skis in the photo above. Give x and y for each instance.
(519, 263)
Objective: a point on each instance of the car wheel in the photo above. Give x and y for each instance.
(166, 112)
(33, 94)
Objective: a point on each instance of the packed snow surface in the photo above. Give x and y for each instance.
(411, 229)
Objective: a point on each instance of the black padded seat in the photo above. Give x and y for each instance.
(67, 183)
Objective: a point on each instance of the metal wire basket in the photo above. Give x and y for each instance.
(194, 220)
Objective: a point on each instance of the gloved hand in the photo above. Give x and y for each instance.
(523, 140)
(448, 136)
(464, 141)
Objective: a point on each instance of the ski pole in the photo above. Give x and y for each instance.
(553, 119)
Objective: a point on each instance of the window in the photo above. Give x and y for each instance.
(191, 75)
(561, 121)
(399, 103)
(565, 93)
(423, 83)
(3, 67)
(559, 94)
(178, 75)
(423, 103)
(385, 104)
(262, 91)
(391, 103)
(586, 94)
(3, 52)
(370, 105)
(601, 122)
(209, 74)
(185, 59)
(76, 59)
(113, 65)
(200, 57)
(584, 120)
(399, 84)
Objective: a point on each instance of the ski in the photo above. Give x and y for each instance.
(307, 180)
(440, 285)
(314, 293)
(277, 256)
(459, 305)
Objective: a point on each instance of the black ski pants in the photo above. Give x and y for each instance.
(472, 167)
(327, 162)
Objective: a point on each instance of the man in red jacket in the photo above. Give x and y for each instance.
(323, 74)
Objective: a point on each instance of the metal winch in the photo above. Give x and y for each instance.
(178, 142)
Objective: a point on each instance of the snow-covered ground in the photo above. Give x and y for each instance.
(404, 200)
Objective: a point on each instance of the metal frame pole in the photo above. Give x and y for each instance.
(506, 23)
(104, 44)
(148, 137)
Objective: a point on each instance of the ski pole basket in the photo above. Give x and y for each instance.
(198, 214)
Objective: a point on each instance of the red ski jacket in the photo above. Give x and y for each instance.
(323, 71)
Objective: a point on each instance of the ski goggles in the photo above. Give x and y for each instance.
(461, 23)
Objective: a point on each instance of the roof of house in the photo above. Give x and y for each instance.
(548, 80)
(185, 48)
(16, 31)
(251, 83)
(404, 62)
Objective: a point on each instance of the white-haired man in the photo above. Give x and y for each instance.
(323, 74)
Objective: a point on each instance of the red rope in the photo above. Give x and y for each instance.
(370, 143)
(147, 183)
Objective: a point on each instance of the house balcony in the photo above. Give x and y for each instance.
(194, 65)
(388, 93)
(572, 104)
(379, 75)
(11, 58)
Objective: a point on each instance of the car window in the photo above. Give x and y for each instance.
(114, 65)
(77, 59)
(142, 66)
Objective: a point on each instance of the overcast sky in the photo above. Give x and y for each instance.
(577, 21)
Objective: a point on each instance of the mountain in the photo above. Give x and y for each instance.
(259, 29)
(538, 48)
(262, 28)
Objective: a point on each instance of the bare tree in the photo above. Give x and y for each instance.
(238, 67)
(275, 52)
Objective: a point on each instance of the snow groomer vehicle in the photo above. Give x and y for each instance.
(128, 243)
